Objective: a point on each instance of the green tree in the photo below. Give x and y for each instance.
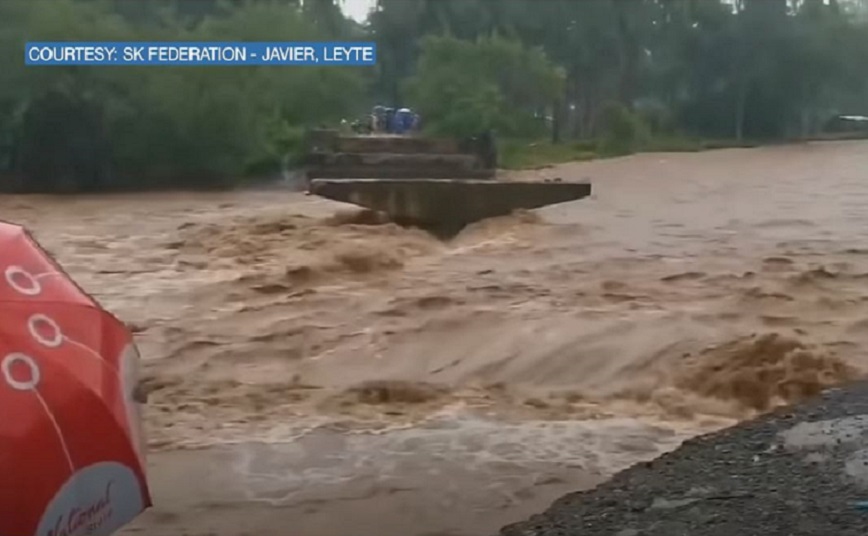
(158, 126)
(464, 87)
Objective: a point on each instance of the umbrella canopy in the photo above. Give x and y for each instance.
(71, 451)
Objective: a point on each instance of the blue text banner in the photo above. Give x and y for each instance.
(200, 53)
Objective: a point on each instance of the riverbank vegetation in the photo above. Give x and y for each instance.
(556, 79)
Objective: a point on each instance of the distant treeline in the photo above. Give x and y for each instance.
(613, 71)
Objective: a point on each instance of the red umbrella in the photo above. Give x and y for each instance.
(70, 443)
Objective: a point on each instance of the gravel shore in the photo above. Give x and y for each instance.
(798, 471)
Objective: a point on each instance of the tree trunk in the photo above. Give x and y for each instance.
(577, 111)
(629, 57)
(591, 113)
(741, 101)
(557, 113)
(805, 126)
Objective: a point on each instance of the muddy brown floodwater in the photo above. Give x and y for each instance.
(314, 373)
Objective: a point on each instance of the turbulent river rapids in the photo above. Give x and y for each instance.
(346, 372)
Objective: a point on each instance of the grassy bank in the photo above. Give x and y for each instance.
(535, 154)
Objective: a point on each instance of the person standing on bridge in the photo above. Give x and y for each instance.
(403, 121)
(406, 120)
(377, 119)
(389, 121)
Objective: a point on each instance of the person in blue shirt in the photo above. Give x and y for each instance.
(402, 121)
(389, 121)
(406, 120)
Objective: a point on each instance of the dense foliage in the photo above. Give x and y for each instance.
(618, 71)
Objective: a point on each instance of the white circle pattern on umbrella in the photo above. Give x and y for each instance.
(31, 384)
(31, 285)
(23, 282)
(57, 338)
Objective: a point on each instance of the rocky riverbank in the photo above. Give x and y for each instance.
(798, 471)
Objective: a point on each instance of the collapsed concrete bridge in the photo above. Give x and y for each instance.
(437, 184)
(446, 206)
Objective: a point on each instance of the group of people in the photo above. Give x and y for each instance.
(392, 121)
(384, 120)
